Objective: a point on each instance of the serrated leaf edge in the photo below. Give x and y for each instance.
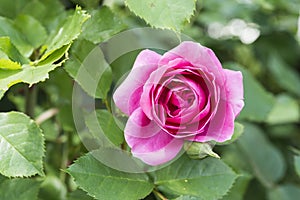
(93, 196)
(162, 27)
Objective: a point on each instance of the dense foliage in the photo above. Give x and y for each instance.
(43, 44)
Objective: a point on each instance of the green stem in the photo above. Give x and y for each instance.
(159, 195)
(65, 157)
(107, 105)
(31, 97)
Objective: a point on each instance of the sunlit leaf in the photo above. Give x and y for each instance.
(55, 55)
(9, 65)
(65, 34)
(1, 93)
(28, 74)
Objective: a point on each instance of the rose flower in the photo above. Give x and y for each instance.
(184, 94)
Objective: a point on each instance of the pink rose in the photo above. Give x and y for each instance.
(184, 94)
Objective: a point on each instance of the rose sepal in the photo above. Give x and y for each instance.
(199, 150)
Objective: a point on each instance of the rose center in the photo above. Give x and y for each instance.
(180, 100)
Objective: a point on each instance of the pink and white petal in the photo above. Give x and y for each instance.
(128, 94)
(161, 156)
(198, 55)
(221, 127)
(145, 58)
(155, 150)
(140, 126)
(234, 90)
(154, 80)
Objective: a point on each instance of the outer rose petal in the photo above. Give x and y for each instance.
(128, 94)
(140, 126)
(235, 90)
(155, 150)
(198, 56)
(221, 127)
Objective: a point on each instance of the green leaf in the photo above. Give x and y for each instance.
(261, 155)
(88, 67)
(102, 25)
(297, 164)
(8, 28)
(21, 145)
(285, 76)
(239, 188)
(49, 12)
(238, 131)
(9, 65)
(285, 110)
(104, 183)
(207, 179)
(284, 192)
(185, 197)
(11, 10)
(50, 129)
(102, 123)
(65, 34)
(55, 55)
(28, 74)
(79, 195)
(11, 51)
(1, 93)
(16, 189)
(32, 29)
(258, 106)
(163, 14)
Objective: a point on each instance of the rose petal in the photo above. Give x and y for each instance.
(140, 126)
(145, 58)
(155, 150)
(156, 79)
(146, 98)
(221, 126)
(199, 56)
(234, 90)
(128, 94)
